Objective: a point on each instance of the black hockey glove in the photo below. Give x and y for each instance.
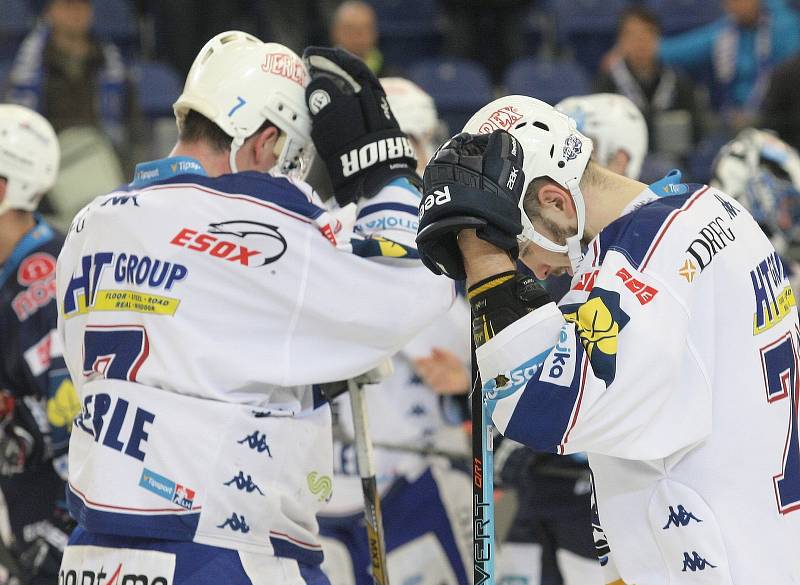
(473, 182)
(353, 127)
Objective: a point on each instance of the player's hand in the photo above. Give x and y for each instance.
(443, 372)
(475, 182)
(353, 127)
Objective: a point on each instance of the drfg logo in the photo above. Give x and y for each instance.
(381, 150)
(438, 197)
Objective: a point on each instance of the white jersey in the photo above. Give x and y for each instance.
(673, 363)
(198, 317)
(403, 412)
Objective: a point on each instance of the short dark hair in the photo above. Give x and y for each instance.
(643, 14)
(197, 128)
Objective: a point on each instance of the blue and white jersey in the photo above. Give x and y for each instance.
(198, 316)
(673, 362)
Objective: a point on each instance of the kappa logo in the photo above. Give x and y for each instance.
(237, 523)
(679, 518)
(257, 442)
(695, 562)
(285, 65)
(573, 146)
(502, 119)
(243, 483)
(438, 197)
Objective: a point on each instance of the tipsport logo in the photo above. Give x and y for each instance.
(167, 489)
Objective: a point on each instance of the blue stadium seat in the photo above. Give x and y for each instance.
(408, 30)
(5, 70)
(677, 16)
(115, 21)
(548, 80)
(702, 157)
(15, 22)
(459, 87)
(588, 27)
(158, 86)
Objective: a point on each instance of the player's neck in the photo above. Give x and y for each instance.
(215, 163)
(606, 198)
(13, 225)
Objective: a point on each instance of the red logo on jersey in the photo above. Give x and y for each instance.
(501, 119)
(330, 231)
(33, 298)
(214, 245)
(644, 293)
(286, 66)
(36, 267)
(586, 281)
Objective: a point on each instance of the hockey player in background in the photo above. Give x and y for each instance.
(37, 400)
(426, 503)
(205, 303)
(672, 361)
(550, 541)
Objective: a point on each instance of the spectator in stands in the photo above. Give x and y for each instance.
(490, 31)
(741, 49)
(781, 108)
(664, 96)
(70, 77)
(354, 27)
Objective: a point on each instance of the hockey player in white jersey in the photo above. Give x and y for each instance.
(672, 361)
(425, 503)
(203, 304)
(551, 541)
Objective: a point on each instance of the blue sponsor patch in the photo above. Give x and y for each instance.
(167, 489)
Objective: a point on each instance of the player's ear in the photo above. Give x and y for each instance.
(553, 197)
(3, 184)
(619, 161)
(265, 142)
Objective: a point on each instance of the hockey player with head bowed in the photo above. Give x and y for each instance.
(37, 399)
(679, 331)
(552, 537)
(204, 304)
(425, 501)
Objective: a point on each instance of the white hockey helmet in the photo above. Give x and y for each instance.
(29, 156)
(614, 123)
(553, 148)
(762, 172)
(238, 82)
(416, 114)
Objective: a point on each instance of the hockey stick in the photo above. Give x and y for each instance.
(482, 484)
(369, 486)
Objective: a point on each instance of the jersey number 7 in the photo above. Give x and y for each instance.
(779, 364)
(114, 351)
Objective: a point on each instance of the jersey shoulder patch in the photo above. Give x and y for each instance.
(637, 234)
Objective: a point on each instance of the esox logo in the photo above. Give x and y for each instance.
(269, 239)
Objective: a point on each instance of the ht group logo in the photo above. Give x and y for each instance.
(271, 243)
(774, 297)
(167, 489)
(83, 294)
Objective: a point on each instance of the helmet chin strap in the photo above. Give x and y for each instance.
(574, 250)
(236, 144)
